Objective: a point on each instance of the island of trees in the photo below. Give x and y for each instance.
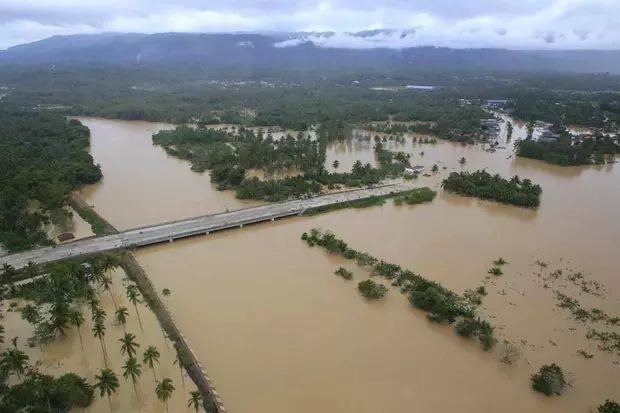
(483, 185)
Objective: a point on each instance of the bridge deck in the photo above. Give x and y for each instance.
(169, 231)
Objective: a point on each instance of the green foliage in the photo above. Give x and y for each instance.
(495, 271)
(440, 303)
(415, 196)
(565, 152)
(609, 406)
(372, 290)
(500, 261)
(43, 157)
(344, 273)
(483, 185)
(549, 380)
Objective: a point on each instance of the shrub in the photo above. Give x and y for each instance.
(549, 380)
(372, 290)
(609, 406)
(496, 271)
(344, 273)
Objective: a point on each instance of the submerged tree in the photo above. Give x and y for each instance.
(14, 361)
(164, 390)
(132, 369)
(609, 406)
(195, 400)
(549, 380)
(150, 357)
(129, 345)
(121, 315)
(133, 295)
(99, 332)
(77, 319)
(107, 383)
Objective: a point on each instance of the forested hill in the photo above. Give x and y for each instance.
(263, 52)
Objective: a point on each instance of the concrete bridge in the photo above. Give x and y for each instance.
(169, 231)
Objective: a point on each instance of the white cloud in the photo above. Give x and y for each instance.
(524, 24)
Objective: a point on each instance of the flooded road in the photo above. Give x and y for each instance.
(278, 332)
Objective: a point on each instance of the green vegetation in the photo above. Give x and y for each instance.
(440, 303)
(500, 261)
(415, 196)
(549, 380)
(609, 406)
(372, 290)
(344, 273)
(43, 157)
(483, 185)
(564, 151)
(98, 225)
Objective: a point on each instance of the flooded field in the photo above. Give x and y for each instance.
(278, 332)
(66, 354)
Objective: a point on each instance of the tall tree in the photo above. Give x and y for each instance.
(178, 360)
(129, 345)
(151, 356)
(107, 383)
(133, 295)
(99, 332)
(132, 369)
(77, 319)
(195, 400)
(164, 390)
(15, 361)
(121, 315)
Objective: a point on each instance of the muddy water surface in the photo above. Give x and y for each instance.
(278, 332)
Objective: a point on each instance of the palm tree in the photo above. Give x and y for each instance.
(128, 344)
(14, 360)
(134, 298)
(106, 283)
(93, 303)
(99, 332)
(195, 400)
(1, 334)
(99, 315)
(107, 383)
(121, 315)
(31, 314)
(59, 312)
(151, 356)
(77, 319)
(132, 369)
(164, 391)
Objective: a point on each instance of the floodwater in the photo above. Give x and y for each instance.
(142, 184)
(278, 332)
(65, 354)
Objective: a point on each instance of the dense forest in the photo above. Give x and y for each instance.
(43, 157)
(564, 152)
(483, 185)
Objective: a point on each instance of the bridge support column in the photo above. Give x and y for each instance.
(240, 225)
(273, 219)
(170, 240)
(207, 233)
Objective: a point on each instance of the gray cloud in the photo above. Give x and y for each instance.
(524, 24)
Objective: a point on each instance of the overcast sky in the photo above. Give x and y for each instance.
(515, 24)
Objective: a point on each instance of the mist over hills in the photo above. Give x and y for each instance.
(297, 51)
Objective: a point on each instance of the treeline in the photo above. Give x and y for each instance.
(440, 303)
(483, 185)
(564, 152)
(230, 154)
(43, 157)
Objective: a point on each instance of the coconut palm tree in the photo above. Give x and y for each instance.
(59, 312)
(121, 315)
(14, 360)
(132, 369)
(164, 391)
(31, 314)
(99, 315)
(133, 295)
(99, 332)
(77, 319)
(195, 400)
(107, 383)
(151, 356)
(93, 303)
(128, 344)
(106, 283)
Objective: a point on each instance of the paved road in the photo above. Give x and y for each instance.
(169, 231)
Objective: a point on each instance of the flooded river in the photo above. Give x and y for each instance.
(278, 332)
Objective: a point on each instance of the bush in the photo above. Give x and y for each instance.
(495, 271)
(344, 273)
(609, 406)
(372, 290)
(549, 380)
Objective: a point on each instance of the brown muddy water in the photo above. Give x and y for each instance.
(278, 332)
(65, 354)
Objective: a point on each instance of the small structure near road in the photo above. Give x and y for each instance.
(65, 236)
(414, 170)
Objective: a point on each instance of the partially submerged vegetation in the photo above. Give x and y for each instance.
(565, 151)
(482, 184)
(43, 157)
(549, 380)
(372, 290)
(344, 273)
(440, 303)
